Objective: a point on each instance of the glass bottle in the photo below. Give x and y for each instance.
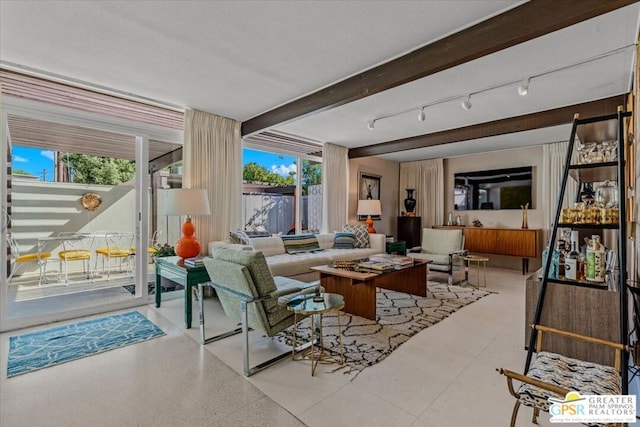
(561, 261)
(581, 267)
(571, 262)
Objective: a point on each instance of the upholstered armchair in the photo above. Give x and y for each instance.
(251, 295)
(444, 247)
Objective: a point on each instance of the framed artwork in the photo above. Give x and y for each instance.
(368, 189)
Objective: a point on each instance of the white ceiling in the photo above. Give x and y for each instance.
(241, 58)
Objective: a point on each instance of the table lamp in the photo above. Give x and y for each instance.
(369, 207)
(187, 201)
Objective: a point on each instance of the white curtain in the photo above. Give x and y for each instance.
(212, 157)
(554, 157)
(427, 178)
(335, 187)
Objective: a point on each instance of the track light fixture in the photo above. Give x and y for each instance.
(466, 103)
(523, 89)
(371, 124)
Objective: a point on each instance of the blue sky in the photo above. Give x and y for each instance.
(278, 163)
(37, 160)
(34, 161)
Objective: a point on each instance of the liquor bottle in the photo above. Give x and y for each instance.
(581, 267)
(561, 261)
(571, 262)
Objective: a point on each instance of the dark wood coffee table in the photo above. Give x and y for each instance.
(359, 288)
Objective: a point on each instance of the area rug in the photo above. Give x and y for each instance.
(399, 317)
(49, 347)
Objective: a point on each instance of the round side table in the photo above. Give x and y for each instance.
(478, 260)
(315, 307)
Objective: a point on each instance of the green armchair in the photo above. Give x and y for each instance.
(445, 247)
(251, 295)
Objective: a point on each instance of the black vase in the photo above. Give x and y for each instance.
(410, 202)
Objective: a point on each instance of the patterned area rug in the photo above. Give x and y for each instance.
(49, 347)
(400, 316)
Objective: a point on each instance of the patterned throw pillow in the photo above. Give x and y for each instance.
(344, 240)
(360, 231)
(300, 243)
(240, 237)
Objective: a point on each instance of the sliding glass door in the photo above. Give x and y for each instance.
(76, 192)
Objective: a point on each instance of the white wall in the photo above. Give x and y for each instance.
(389, 172)
(530, 156)
(509, 218)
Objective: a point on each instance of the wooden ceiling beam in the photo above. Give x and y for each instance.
(520, 24)
(542, 119)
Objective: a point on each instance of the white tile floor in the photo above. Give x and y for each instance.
(444, 376)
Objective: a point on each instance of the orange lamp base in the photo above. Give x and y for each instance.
(187, 246)
(369, 223)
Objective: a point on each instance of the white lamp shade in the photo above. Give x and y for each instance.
(187, 201)
(369, 207)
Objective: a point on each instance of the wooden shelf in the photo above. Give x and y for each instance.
(598, 226)
(599, 131)
(594, 172)
(584, 284)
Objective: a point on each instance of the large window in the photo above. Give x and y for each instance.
(275, 200)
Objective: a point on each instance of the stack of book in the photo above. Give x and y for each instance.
(376, 266)
(194, 262)
(396, 260)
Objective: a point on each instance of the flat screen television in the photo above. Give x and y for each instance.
(493, 189)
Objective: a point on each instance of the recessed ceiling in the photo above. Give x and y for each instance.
(240, 59)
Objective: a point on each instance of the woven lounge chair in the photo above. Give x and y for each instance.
(251, 295)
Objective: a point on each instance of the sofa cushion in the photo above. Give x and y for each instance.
(268, 245)
(293, 265)
(325, 240)
(350, 254)
(300, 243)
(344, 240)
(360, 231)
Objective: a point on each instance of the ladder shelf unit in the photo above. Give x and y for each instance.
(593, 130)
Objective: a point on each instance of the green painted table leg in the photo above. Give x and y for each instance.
(187, 304)
(158, 286)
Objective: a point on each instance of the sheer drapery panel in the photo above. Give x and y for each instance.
(553, 158)
(335, 187)
(427, 178)
(212, 159)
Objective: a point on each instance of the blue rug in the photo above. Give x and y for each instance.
(49, 347)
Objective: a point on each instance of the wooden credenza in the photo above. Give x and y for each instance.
(519, 242)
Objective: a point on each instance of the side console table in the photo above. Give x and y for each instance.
(173, 268)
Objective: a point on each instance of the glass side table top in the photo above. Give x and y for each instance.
(314, 307)
(308, 304)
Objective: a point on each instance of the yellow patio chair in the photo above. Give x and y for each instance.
(18, 260)
(117, 248)
(151, 249)
(76, 247)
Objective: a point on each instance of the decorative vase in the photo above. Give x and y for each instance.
(187, 246)
(410, 202)
(525, 215)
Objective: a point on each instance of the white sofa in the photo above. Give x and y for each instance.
(298, 266)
